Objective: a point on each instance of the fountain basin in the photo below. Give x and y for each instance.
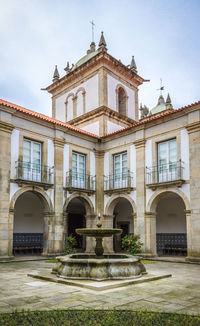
(99, 268)
(101, 233)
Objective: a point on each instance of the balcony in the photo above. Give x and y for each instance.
(165, 175)
(31, 173)
(80, 182)
(116, 183)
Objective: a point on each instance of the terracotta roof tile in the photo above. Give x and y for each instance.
(68, 126)
(44, 117)
(153, 118)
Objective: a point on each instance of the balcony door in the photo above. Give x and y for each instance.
(78, 170)
(167, 167)
(32, 161)
(120, 170)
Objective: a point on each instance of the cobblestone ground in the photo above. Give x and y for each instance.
(180, 293)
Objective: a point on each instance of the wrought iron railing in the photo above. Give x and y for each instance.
(80, 181)
(164, 173)
(34, 172)
(118, 181)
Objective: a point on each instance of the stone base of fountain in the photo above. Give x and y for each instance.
(99, 268)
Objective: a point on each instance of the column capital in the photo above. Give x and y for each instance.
(193, 127)
(99, 153)
(150, 215)
(59, 142)
(107, 217)
(140, 143)
(6, 127)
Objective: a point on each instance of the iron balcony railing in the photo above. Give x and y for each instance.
(80, 181)
(164, 173)
(34, 172)
(118, 181)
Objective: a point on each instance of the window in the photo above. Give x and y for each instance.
(32, 160)
(120, 170)
(167, 161)
(121, 101)
(78, 170)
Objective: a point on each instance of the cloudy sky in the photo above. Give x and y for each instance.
(164, 37)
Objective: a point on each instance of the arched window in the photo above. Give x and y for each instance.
(121, 101)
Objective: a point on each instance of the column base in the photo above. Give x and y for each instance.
(6, 258)
(147, 255)
(192, 259)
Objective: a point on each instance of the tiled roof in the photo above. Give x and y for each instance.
(68, 126)
(44, 117)
(153, 118)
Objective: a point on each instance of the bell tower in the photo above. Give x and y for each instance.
(98, 94)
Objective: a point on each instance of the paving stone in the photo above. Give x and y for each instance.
(181, 293)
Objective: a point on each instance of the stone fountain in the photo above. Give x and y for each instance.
(99, 267)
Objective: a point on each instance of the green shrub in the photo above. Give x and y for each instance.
(97, 318)
(70, 244)
(132, 244)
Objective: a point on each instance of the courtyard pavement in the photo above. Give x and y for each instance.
(180, 293)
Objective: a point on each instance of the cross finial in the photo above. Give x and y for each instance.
(93, 24)
(161, 87)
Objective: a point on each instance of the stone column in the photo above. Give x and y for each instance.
(150, 234)
(48, 234)
(134, 216)
(91, 221)
(59, 231)
(140, 189)
(6, 217)
(193, 220)
(108, 242)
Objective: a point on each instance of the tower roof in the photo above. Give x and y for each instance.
(102, 42)
(133, 65)
(56, 75)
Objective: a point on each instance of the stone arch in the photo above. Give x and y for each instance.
(85, 201)
(153, 201)
(161, 233)
(80, 102)
(43, 209)
(45, 200)
(67, 115)
(113, 201)
(121, 100)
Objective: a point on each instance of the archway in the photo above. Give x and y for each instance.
(76, 219)
(171, 229)
(29, 224)
(78, 208)
(122, 209)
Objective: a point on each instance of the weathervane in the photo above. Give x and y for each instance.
(161, 87)
(93, 24)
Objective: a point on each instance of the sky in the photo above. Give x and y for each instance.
(36, 35)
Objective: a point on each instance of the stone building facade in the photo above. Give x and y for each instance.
(95, 156)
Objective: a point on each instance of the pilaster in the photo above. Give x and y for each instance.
(59, 231)
(103, 89)
(140, 189)
(6, 217)
(150, 219)
(193, 218)
(99, 162)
